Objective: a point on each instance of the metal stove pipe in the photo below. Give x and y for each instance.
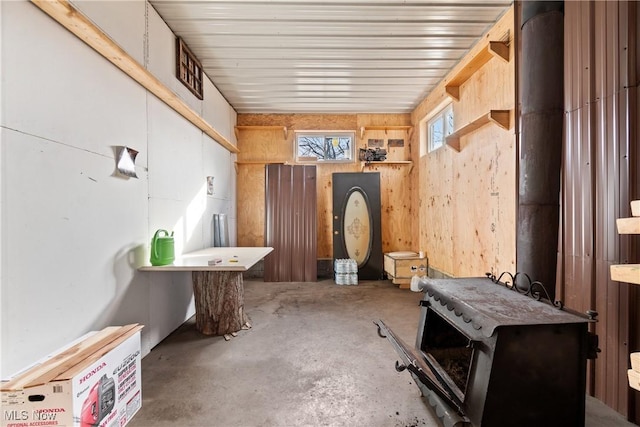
(541, 138)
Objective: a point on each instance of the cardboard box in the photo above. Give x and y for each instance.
(401, 267)
(96, 382)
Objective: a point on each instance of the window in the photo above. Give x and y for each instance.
(325, 147)
(188, 68)
(439, 127)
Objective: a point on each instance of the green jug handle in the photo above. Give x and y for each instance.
(153, 242)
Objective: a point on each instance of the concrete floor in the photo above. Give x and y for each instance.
(312, 358)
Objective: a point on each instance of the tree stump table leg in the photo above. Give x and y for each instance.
(219, 300)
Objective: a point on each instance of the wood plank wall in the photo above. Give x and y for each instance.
(466, 201)
(259, 146)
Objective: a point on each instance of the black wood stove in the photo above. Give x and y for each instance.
(497, 354)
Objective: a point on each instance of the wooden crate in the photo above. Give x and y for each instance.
(400, 268)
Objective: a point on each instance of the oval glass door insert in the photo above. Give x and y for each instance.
(357, 229)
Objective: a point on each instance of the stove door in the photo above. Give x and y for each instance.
(426, 371)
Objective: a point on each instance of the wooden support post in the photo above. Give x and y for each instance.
(219, 300)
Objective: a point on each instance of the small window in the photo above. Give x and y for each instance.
(188, 68)
(326, 147)
(439, 127)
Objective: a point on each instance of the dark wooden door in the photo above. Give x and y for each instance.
(356, 222)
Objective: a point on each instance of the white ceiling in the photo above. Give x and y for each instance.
(328, 56)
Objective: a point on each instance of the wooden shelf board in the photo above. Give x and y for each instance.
(626, 273)
(499, 117)
(246, 127)
(363, 129)
(628, 225)
(498, 49)
(635, 207)
(387, 162)
(259, 162)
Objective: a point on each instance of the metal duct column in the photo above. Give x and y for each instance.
(541, 138)
(220, 230)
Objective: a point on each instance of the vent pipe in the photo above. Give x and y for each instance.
(541, 137)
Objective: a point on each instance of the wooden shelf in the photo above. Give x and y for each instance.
(498, 49)
(629, 273)
(259, 162)
(626, 273)
(628, 225)
(282, 128)
(408, 129)
(499, 117)
(387, 162)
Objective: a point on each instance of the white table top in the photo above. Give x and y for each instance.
(233, 259)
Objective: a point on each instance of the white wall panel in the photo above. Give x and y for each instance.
(91, 106)
(217, 162)
(76, 232)
(162, 51)
(123, 21)
(170, 303)
(3, 137)
(181, 218)
(73, 230)
(175, 154)
(217, 112)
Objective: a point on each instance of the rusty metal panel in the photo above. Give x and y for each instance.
(290, 223)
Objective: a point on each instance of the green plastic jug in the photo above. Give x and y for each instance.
(162, 249)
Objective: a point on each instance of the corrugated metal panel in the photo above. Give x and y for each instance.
(600, 175)
(291, 224)
(311, 56)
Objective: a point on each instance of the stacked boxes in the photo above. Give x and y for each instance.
(346, 271)
(634, 372)
(95, 382)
